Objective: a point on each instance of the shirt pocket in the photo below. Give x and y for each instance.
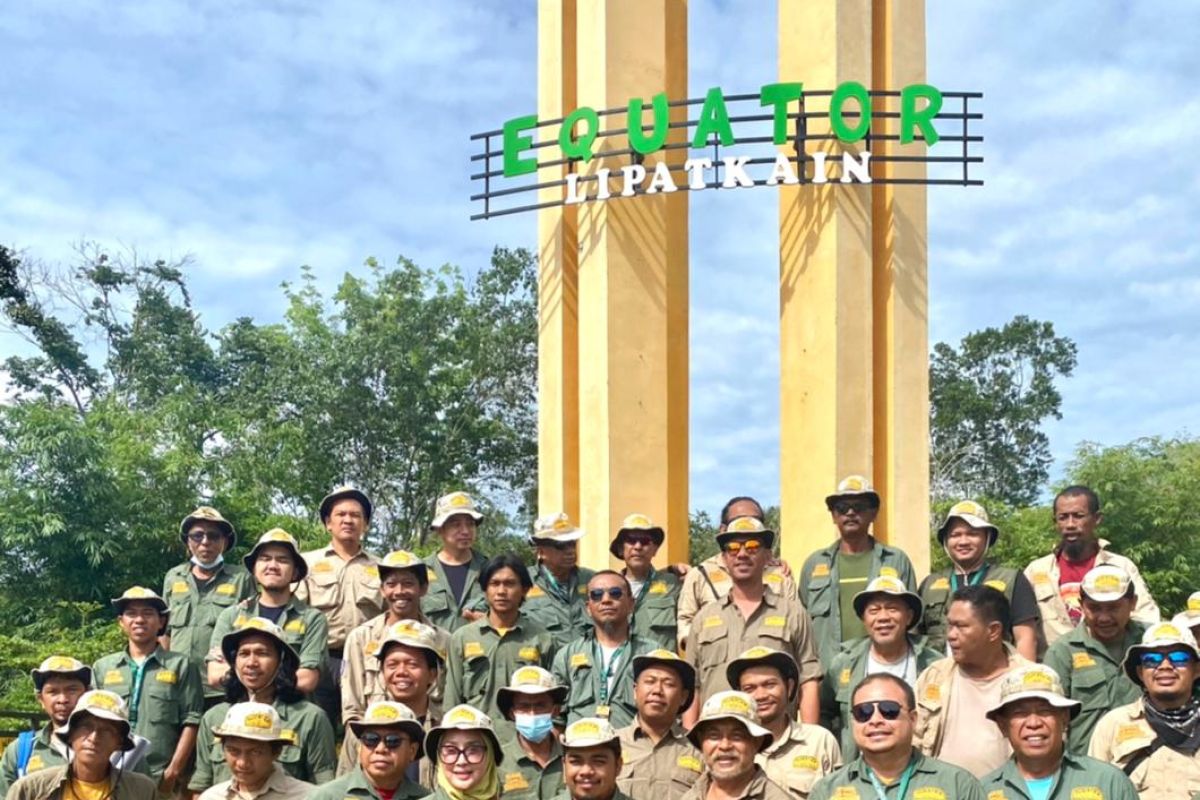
(476, 671)
(801, 775)
(324, 589)
(292, 761)
(819, 597)
(712, 645)
(659, 613)
(179, 612)
(435, 604)
(162, 704)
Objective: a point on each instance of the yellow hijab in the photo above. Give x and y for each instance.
(486, 789)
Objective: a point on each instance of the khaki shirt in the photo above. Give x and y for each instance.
(848, 668)
(820, 590)
(280, 786)
(1091, 676)
(664, 770)
(310, 757)
(710, 581)
(439, 604)
(720, 634)
(564, 621)
(761, 788)
(304, 628)
(1078, 777)
(194, 608)
(50, 784)
(577, 667)
(48, 751)
(931, 780)
(346, 592)
(1166, 775)
(348, 757)
(654, 610)
(171, 697)
(481, 660)
(802, 755)
(1056, 621)
(525, 779)
(357, 785)
(362, 671)
(933, 696)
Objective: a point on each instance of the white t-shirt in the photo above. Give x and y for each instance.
(905, 669)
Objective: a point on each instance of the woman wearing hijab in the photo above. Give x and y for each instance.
(467, 753)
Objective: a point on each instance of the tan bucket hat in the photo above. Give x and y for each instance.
(257, 625)
(1036, 680)
(403, 559)
(529, 680)
(555, 529)
(463, 717)
(886, 584)
(280, 537)
(1158, 635)
(974, 515)
(737, 706)
(257, 721)
(209, 514)
(415, 634)
(60, 665)
(1105, 583)
(343, 493)
(852, 486)
(589, 732)
(765, 656)
(453, 504)
(100, 704)
(635, 522)
(139, 594)
(746, 526)
(390, 714)
(671, 660)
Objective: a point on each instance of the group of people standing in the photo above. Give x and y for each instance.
(335, 673)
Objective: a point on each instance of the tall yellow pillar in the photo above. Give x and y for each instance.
(853, 351)
(632, 292)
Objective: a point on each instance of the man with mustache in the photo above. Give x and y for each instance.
(658, 760)
(557, 598)
(729, 737)
(252, 741)
(655, 594)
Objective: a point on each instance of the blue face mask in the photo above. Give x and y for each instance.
(534, 727)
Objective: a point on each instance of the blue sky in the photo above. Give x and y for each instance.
(258, 136)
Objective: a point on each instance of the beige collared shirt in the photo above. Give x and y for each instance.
(760, 788)
(1123, 733)
(802, 755)
(346, 592)
(662, 770)
(280, 786)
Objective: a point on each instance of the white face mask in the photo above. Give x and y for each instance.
(218, 561)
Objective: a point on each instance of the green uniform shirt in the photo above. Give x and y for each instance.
(560, 611)
(617, 795)
(848, 668)
(939, 780)
(170, 697)
(304, 628)
(522, 778)
(44, 755)
(309, 758)
(194, 608)
(1092, 676)
(439, 606)
(577, 666)
(654, 610)
(1078, 777)
(481, 660)
(355, 783)
(820, 589)
(938, 587)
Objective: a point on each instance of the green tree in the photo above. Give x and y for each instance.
(988, 400)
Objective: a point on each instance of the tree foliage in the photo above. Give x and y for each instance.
(988, 400)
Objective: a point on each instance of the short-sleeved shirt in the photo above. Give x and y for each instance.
(760, 788)
(481, 659)
(346, 592)
(663, 770)
(800, 757)
(522, 778)
(1077, 777)
(938, 587)
(194, 608)
(577, 666)
(170, 697)
(355, 784)
(310, 757)
(362, 671)
(440, 604)
(939, 780)
(304, 628)
(561, 611)
(654, 610)
(710, 581)
(720, 633)
(279, 786)
(47, 752)
(971, 741)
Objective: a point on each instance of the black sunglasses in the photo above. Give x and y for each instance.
(844, 507)
(888, 709)
(393, 740)
(615, 592)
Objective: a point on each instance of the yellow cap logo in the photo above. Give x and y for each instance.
(278, 535)
(584, 729)
(138, 593)
(757, 652)
(527, 676)
(383, 713)
(1193, 603)
(460, 714)
(260, 720)
(103, 700)
(60, 664)
(1037, 679)
(562, 524)
(1107, 583)
(745, 525)
(398, 558)
(886, 583)
(459, 500)
(638, 521)
(853, 484)
(732, 704)
(1165, 630)
(662, 654)
(968, 507)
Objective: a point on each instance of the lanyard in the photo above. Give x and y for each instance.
(607, 673)
(557, 589)
(135, 695)
(645, 589)
(881, 790)
(978, 579)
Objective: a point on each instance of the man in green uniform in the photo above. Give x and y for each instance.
(888, 766)
(751, 614)
(967, 536)
(200, 589)
(390, 740)
(889, 613)
(454, 597)
(485, 653)
(1090, 658)
(58, 683)
(1034, 715)
(556, 599)
(252, 740)
(659, 761)
(800, 753)
(161, 690)
(533, 767)
(592, 760)
(596, 666)
(831, 577)
(277, 566)
(730, 738)
(655, 594)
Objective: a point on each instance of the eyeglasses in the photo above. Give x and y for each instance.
(614, 592)
(391, 741)
(844, 507)
(751, 547)
(473, 753)
(888, 709)
(201, 536)
(643, 541)
(1176, 658)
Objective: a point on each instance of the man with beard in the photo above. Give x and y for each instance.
(252, 741)
(1033, 714)
(1090, 659)
(1056, 576)
(831, 577)
(884, 720)
(591, 760)
(800, 753)
(890, 613)
(454, 597)
(1156, 738)
(596, 666)
(277, 566)
(730, 737)
(655, 594)
(556, 599)
(658, 760)
(968, 536)
(58, 684)
(533, 767)
(389, 742)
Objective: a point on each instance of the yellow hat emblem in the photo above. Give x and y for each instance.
(584, 728)
(138, 592)
(853, 484)
(103, 700)
(735, 705)
(1107, 583)
(527, 676)
(1037, 679)
(745, 525)
(459, 500)
(637, 521)
(1193, 603)
(398, 558)
(888, 583)
(383, 713)
(60, 664)
(258, 720)
(757, 652)
(460, 715)
(1166, 630)
(562, 524)
(968, 507)
(278, 535)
